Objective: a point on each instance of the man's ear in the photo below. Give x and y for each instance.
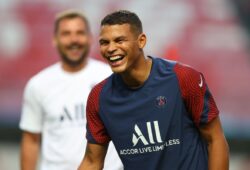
(54, 42)
(142, 40)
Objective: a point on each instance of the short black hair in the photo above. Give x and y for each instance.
(69, 14)
(123, 17)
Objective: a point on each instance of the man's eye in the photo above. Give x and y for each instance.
(81, 33)
(120, 41)
(103, 42)
(65, 33)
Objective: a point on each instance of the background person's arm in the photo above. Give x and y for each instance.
(218, 151)
(30, 148)
(94, 157)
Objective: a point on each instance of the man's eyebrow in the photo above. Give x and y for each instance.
(120, 38)
(103, 40)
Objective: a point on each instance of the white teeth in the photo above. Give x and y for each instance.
(114, 58)
(74, 47)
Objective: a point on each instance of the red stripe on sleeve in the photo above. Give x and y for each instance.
(213, 111)
(95, 125)
(196, 95)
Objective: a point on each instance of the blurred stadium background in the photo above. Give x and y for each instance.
(211, 35)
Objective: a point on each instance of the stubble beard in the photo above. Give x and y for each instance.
(73, 63)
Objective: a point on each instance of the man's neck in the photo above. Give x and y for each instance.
(71, 69)
(137, 76)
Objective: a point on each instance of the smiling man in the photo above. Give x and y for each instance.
(55, 100)
(160, 114)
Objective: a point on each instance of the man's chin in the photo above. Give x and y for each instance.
(118, 70)
(73, 61)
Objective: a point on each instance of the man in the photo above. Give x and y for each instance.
(159, 114)
(55, 99)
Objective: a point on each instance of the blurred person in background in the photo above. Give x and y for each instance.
(160, 114)
(53, 113)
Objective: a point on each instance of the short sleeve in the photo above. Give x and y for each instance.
(96, 131)
(31, 116)
(197, 98)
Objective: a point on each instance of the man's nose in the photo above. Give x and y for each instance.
(74, 38)
(111, 48)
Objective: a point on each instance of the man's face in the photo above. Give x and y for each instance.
(73, 41)
(120, 46)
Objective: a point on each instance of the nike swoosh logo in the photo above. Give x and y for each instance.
(201, 83)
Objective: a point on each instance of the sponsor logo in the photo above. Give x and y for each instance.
(201, 82)
(74, 114)
(138, 136)
(151, 140)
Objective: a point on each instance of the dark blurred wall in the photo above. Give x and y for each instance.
(243, 10)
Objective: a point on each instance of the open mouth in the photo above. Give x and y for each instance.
(115, 58)
(74, 47)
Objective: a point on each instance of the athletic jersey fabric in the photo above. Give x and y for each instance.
(54, 105)
(154, 127)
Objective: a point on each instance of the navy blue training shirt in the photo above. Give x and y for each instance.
(154, 127)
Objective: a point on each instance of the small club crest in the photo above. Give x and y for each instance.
(161, 101)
